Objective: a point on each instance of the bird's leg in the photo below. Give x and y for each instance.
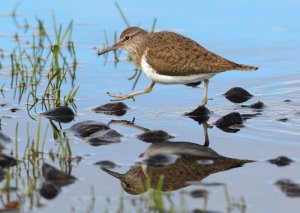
(205, 98)
(132, 95)
(205, 128)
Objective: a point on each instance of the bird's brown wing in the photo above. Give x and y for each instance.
(173, 54)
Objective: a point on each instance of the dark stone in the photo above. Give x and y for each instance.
(281, 161)
(7, 161)
(195, 84)
(96, 133)
(199, 193)
(238, 95)
(106, 164)
(257, 105)
(86, 128)
(104, 137)
(200, 114)
(288, 187)
(160, 160)
(56, 176)
(62, 114)
(230, 119)
(155, 136)
(14, 109)
(49, 190)
(117, 108)
(287, 101)
(283, 119)
(3, 105)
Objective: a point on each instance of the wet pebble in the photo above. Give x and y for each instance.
(96, 133)
(106, 164)
(56, 176)
(238, 95)
(288, 187)
(14, 109)
(3, 105)
(287, 100)
(200, 114)
(154, 136)
(281, 161)
(49, 190)
(160, 160)
(86, 128)
(257, 105)
(7, 161)
(198, 193)
(116, 108)
(283, 120)
(62, 114)
(229, 120)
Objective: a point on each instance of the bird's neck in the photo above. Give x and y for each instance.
(137, 49)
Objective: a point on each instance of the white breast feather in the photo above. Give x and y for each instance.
(166, 79)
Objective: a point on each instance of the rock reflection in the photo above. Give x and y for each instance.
(95, 133)
(183, 162)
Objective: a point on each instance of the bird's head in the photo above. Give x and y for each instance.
(129, 38)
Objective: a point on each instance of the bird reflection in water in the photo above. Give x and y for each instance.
(177, 163)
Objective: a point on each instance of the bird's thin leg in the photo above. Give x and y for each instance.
(205, 128)
(205, 98)
(124, 97)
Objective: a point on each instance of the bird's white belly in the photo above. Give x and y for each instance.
(166, 79)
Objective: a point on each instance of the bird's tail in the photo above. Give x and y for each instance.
(241, 67)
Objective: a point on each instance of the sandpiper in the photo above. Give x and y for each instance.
(170, 58)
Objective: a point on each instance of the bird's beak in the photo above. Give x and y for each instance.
(107, 49)
(114, 174)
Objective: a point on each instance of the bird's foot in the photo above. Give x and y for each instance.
(121, 97)
(204, 101)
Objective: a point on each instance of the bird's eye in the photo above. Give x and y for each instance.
(127, 38)
(128, 186)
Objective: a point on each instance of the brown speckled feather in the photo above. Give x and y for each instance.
(181, 56)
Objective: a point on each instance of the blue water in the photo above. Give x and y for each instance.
(261, 33)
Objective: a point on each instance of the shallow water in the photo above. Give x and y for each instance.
(257, 33)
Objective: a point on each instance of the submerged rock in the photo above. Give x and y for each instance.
(56, 176)
(106, 164)
(117, 108)
(2, 174)
(288, 187)
(7, 161)
(281, 161)
(62, 114)
(200, 114)
(283, 120)
(96, 133)
(257, 105)
(14, 109)
(104, 137)
(238, 95)
(154, 136)
(229, 120)
(49, 190)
